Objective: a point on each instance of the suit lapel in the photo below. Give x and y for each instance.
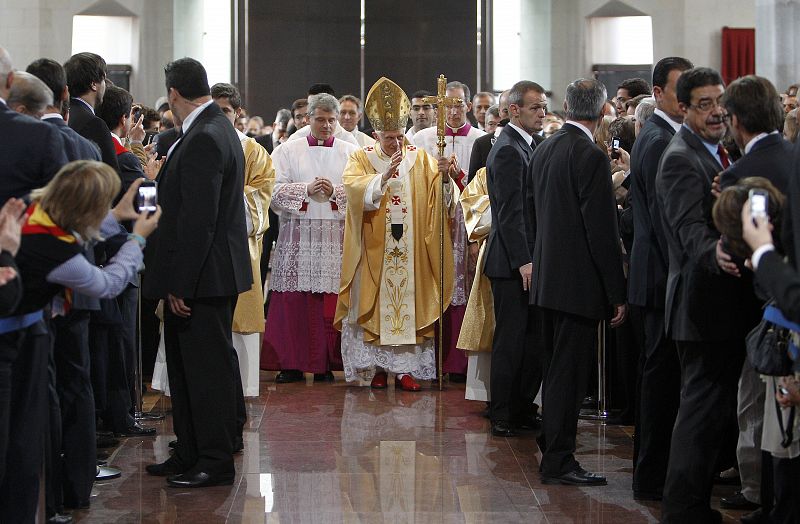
(660, 122)
(712, 165)
(521, 143)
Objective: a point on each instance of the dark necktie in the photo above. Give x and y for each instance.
(723, 156)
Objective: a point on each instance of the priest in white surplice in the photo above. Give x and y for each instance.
(460, 136)
(311, 202)
(389, 297)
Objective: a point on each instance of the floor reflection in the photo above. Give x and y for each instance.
(338, 453)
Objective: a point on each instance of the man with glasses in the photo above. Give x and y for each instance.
(703, 302)
(423, 115)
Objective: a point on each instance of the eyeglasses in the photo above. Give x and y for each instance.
(707, 104)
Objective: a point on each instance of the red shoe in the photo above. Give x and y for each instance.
(379, 380)
(407, 383)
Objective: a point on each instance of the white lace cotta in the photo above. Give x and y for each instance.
(308, 255)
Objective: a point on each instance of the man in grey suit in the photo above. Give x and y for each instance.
(704, 313)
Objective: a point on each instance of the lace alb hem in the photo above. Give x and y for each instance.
(308, 255)
(360, 358)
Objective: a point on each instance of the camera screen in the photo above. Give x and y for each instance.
(147, 198)
(615, 143)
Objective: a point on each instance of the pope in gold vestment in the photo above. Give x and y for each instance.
(390, 293)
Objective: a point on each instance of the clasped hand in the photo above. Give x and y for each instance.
(321, 186)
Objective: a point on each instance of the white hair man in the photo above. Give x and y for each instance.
(310, 199)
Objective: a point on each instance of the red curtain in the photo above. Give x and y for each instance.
(738, 53)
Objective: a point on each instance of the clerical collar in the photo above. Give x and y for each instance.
(52, 116)
(675, 125)
(84, 102)
(524, 134)
(314, 141)
(753, 141)
(461, 131)
(189, 120)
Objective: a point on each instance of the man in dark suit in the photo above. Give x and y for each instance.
(86, 78)
(31, 152)
(198, 264)
(659, 370)
(577, 271)
(755, 116)
(704, 312)
(516, 372)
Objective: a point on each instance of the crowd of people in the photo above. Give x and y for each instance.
(329, 240)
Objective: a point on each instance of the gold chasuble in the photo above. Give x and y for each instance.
(397, 281)
(477, 330)
(259, 179)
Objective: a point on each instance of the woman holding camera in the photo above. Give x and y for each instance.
(73, 209)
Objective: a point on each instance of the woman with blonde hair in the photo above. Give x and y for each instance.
(70, 211)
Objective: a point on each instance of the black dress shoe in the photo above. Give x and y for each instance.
(165, 469)
(289, 375)
(60, 518)
(137, 431)
(199, 480)
(324, 377)
(457, 378)
(737, 501)
(173, 443)
(756, 517)
(576, 477)
(503, 429)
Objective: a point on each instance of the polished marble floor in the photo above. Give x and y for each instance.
(320, 453)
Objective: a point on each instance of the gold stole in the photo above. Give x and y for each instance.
(397, 288)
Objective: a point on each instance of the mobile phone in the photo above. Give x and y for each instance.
(147, 197)
(137, 113)
(614, 147)
(759, 203)
(149, 137)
